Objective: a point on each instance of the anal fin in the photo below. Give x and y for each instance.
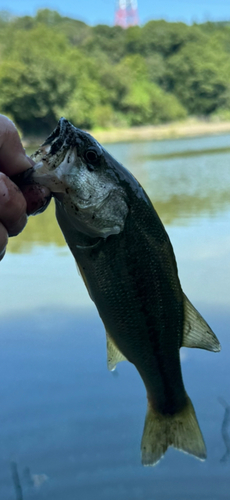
(197, 333)
(114, 356)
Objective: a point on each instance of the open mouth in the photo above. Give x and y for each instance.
(37, 194)
(62, 136)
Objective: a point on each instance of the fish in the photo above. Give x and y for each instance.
(128, 265)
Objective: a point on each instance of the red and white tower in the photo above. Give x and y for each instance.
(126, 13)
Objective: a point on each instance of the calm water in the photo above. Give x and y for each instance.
(70, 429)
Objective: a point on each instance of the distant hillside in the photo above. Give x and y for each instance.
(104, 77)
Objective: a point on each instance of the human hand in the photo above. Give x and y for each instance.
(15, 205)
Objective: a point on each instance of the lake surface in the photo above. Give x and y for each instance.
(70, 429)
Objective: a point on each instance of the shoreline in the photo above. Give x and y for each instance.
(188, 128)
(191, 127)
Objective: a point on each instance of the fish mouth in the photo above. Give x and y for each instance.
(56, 145)
(61, 137)
(50, 159)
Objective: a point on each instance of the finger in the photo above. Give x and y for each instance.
(3, 240)
(13, 159)
(32, 162)
(12, 206)
(37, 198)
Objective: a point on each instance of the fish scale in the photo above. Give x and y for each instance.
(128, 266)
(139, 305)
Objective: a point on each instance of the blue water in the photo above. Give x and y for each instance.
(70, 429)
(63, 415)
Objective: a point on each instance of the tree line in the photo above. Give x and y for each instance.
(102, 76)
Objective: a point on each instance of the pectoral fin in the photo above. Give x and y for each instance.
(114, 356)
(197, 333)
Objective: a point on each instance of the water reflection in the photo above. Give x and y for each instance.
(62, 415)
(26, 481)
(185, 195)
(41, 229)
(186, 153)
(79, 428)
(225, 430)
(44, 277)
(16, 481)
(185, 179)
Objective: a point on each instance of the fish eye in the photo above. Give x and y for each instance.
(91, 156)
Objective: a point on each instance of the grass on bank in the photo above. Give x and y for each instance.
(191, 127)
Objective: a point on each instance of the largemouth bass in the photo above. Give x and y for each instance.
(128, 265)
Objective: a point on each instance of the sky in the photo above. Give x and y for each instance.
(102, 11)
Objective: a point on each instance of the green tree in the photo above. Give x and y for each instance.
(199, 75)
(157, 68)
(105, 76)
(81, 105)
(36, 78)
(167, 38)
(144, 101)
(108, 40)
(133, 40)
(147, 103)
(75, 31)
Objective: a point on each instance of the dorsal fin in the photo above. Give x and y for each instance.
(197, 333)
(114, 356)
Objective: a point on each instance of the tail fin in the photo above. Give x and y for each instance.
(181, 431)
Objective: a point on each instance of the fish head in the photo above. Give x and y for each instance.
(83, 180)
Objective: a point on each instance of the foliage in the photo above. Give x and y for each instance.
(200, 76)
(167, 38)
(142, 100)
(108, 40)
(101, 76)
